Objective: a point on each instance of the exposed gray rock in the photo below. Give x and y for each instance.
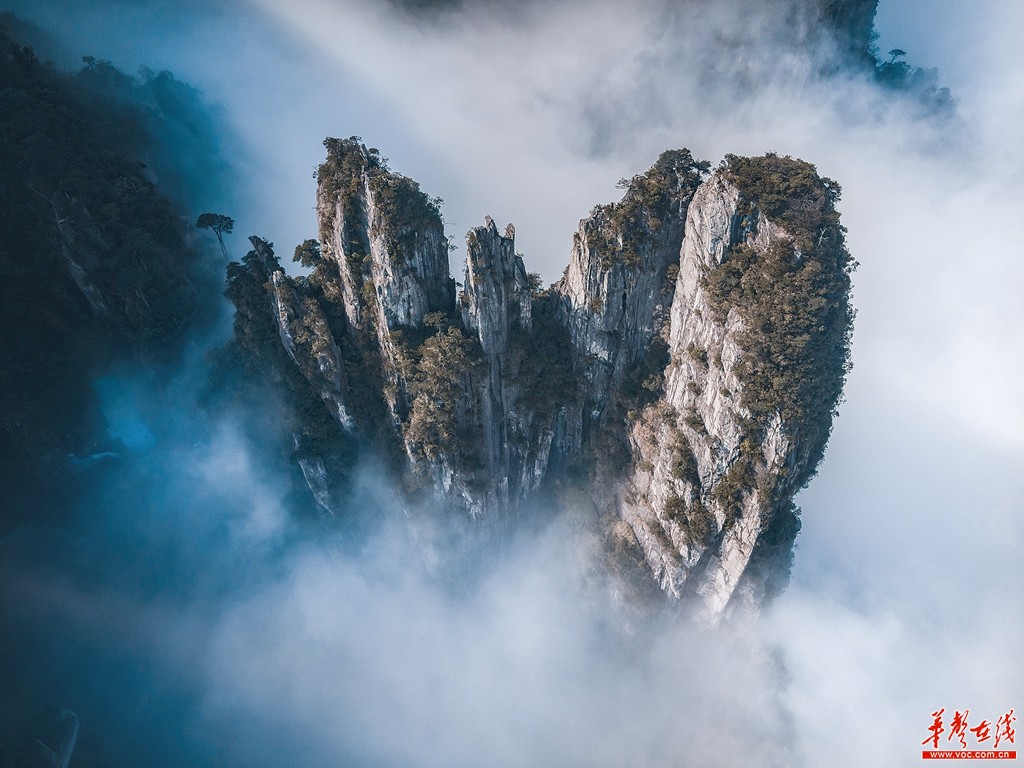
(388, 243)
(497, 294)
(698, 534)
(638, 368)
(318, 480)
(514, 438)
(615, 293)
(307, 338)
(387, 239)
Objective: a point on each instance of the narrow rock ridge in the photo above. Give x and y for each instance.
(497, 309)
(616, 291)
(685, 370)
(709, 496)
(386, 239)
(685, 444)
(497, 297)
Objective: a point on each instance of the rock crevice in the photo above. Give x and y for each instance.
(687, 365)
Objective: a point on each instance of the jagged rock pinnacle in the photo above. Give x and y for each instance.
(687, 365)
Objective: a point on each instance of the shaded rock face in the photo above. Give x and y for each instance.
(615, 294)
(307, 338)
(386, 237)
(697, 538)
(683, 372)
(497, 310)
(497, 295)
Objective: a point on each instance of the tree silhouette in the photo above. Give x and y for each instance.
(219, 224)
(307, 253)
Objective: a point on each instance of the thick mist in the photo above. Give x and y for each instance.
(192, 614)
(189, 616)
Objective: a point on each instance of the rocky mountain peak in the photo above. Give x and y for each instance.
(497, 295)
(686, 366)
(386, 237)
(617, 289)
(759, 342)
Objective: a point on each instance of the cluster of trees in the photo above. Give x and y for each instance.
(794, 297)
(255, 339)
(407, 215)
(696, 519)
(438, 385)
(622, 230)
(540, 362)
(644, 382)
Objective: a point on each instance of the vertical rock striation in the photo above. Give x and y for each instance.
(385, 236)
(616, 291)
(497, 310)
(385, 241)
(686, 367)
(454, 383)
(759, 341)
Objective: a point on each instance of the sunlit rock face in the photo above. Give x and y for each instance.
(389, 254)
(705, 483)
(682, 374)
(514, 436)
(615, 293)
(381, 231)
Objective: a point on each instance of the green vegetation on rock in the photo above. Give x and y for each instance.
(621, 231)
(307, 427)
(793, 298)
(437, 385)
(405, 213)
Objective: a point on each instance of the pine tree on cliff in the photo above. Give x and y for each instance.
(219, 224)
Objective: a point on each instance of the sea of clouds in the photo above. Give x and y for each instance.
(189, 618)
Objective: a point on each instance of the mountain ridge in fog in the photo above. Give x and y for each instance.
(682, 374)
(177, 606)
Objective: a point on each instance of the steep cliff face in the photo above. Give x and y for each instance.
(497, 297)
(758, 340)
(306, 336)
(616, 291)
(522, 377)
(385, 243)
(450, 383)
(497, 308)
(293, 360)
(386, 237)
(480, 424)
(459, 388)
(686, 367)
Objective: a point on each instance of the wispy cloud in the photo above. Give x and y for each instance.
(261, 641)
